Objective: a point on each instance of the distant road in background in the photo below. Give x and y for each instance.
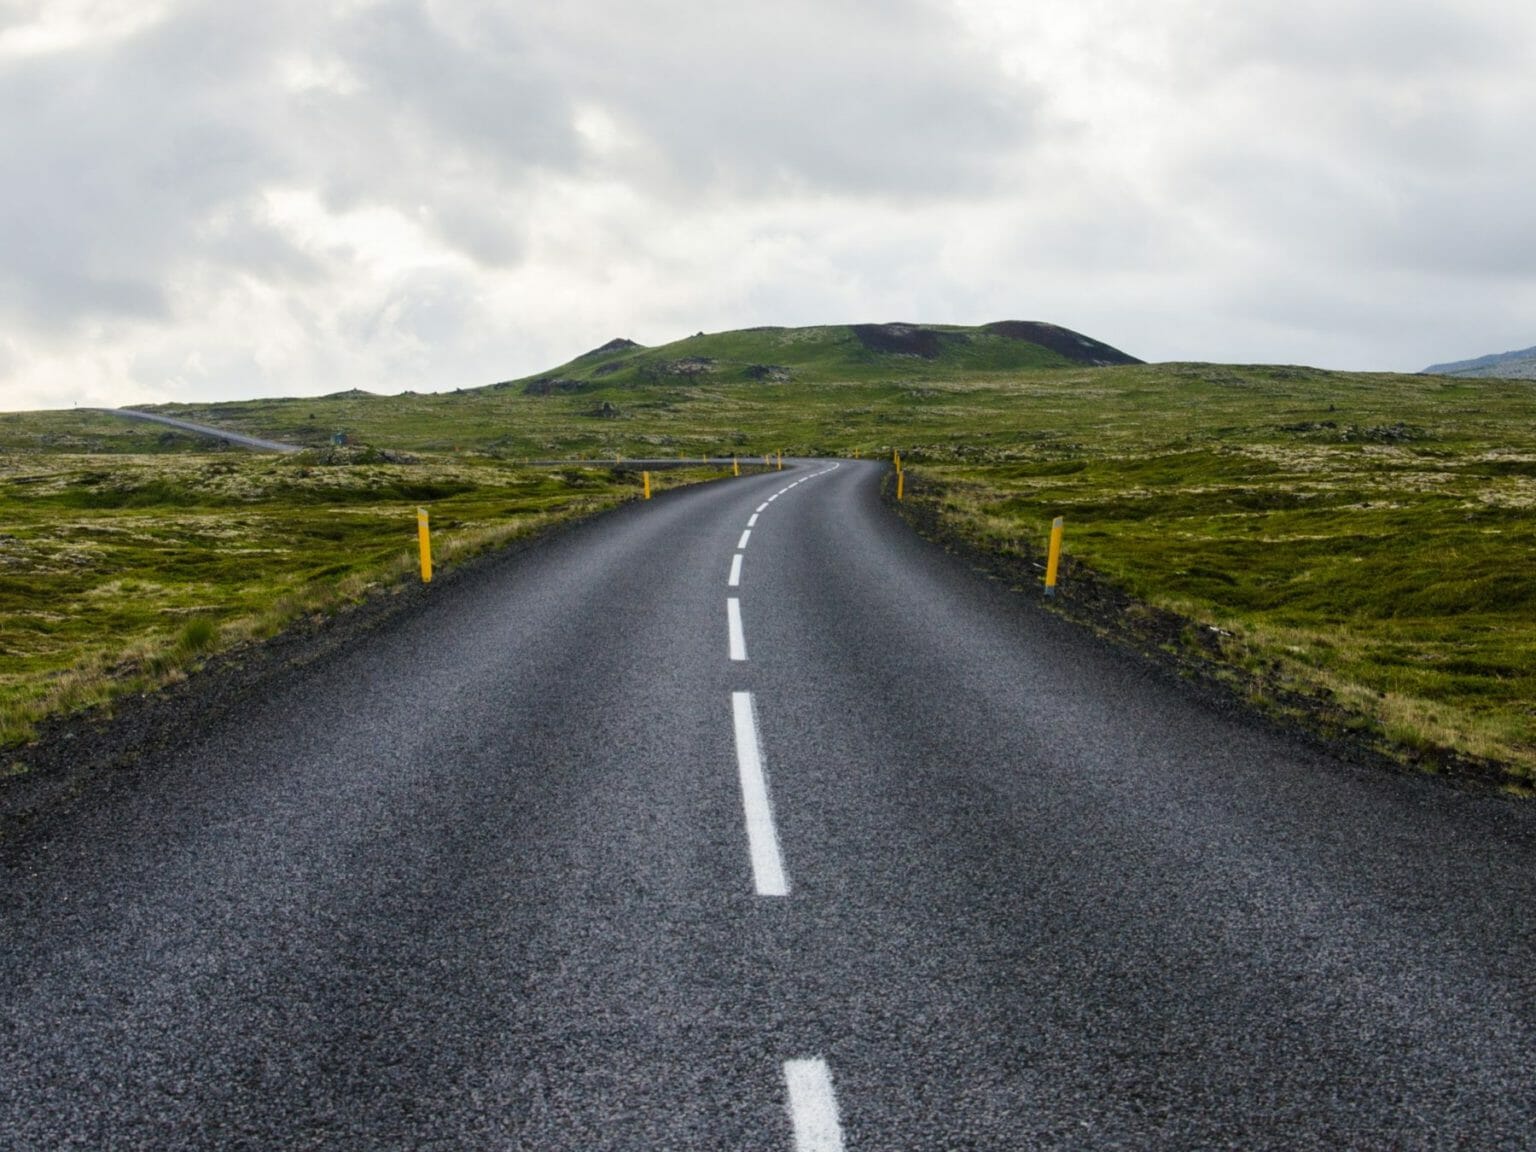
(222, 434)
(256, 442)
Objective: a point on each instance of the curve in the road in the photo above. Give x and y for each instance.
(487, 879)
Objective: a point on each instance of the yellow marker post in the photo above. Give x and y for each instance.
(735, 467)
(646, 476)
(781, 461)
(896, 459)
(900, 477)
(1054, 560)
(424, 537)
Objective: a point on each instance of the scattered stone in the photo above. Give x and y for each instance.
(1382, 434)
(770, 373)
(688, 368)
(345, 455)
(1309, 426)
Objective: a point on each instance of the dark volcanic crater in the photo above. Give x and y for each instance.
(929, 343)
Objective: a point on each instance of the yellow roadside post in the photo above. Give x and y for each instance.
(735, 467)
(424, 538)
(1054, 560)
(781, 461)
(896, 459)
(900, 479)
(646, 476)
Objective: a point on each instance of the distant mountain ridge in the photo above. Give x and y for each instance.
(828, 354)
(1518, 365)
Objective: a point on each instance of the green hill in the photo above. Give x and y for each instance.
(823, 355)
(800, 389)
(1348, 548)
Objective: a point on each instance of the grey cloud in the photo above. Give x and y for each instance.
(19, 13)
(241, 236)
(1478, 228)
(1329, 204)
(420, 312)
(723, 101)
(131, 158)
(841, 96)
(486, 86)
(1350, 139)
(115, 159)
(1333, 38)
(434, 105)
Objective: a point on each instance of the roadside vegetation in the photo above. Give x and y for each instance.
(120, 573)
(1350, 550)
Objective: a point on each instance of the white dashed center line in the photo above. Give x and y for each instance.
(813, 1106)
(762, 839)
(738, 637)
(811, 1100)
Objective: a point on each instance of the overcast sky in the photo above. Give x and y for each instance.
(227, 199)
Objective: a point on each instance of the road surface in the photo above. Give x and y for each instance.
(743, 818)
(222, 434)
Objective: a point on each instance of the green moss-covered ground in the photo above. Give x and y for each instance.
(1368, 536)
(119, 572)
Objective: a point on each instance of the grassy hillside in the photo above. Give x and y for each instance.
(1359, 541)
(859, 352)
(704, 395)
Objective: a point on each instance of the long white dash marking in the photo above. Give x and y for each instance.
(813, 1106)
(752, 520)
(774, 497)
(762, 839)
(735, 579)
(738, 637)
(763, 507)
(745, 536)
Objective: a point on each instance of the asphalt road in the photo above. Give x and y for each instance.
(545, 865)
(222, 434)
